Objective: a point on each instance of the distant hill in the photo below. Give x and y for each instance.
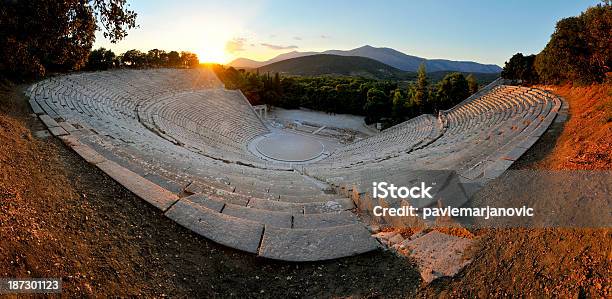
(410, 63)
(249, 63)
(335, 65)
(387, 56)
(246, 63)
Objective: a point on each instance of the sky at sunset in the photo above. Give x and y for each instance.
(219, 31)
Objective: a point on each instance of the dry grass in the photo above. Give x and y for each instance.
(586, 141)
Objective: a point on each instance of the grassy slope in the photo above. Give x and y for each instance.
(586, 141)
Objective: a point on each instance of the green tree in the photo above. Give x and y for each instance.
(375, 105)
(253, 88)
(451, 90)
(579, 49)
(399, 106)
(411, 107)
(42, 36)
(189, 59)
(156, 57)
(101, 59)
(421, 94)
(520, 67)
(174, 59)
(134, 58)
(277, 83)
(472, 84)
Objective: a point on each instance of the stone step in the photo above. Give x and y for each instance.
(36, 108)
(224, 229)
(322, 220)
(267, 217)
(243, 199)
(143, 188)
(48, 121)
(302, 245)
(335, 205)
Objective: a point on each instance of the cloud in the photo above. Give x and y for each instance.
(325, 36)
(235, 45)
(297, 38)
(279, 47)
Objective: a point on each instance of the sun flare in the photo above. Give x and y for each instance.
(211, 45)
(212, 55)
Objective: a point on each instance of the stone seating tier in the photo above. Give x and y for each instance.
(178, 139)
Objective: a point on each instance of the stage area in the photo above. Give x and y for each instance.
(289, 147)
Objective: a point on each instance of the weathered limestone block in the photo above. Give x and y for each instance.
(324, 220)
(336, 205)
(143, 188)
(300, 245)
(224, 229)
(269, 218)
(438, 255)
(48, 121)
(58, 131)
(36, 108)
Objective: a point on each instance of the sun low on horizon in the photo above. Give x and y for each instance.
(219, 32)
(211, 53)
(211, 46)
(224, 51)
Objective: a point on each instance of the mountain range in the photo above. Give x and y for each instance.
(335, 65)
(387, 56)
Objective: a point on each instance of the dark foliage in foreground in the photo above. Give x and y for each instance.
(44, 36)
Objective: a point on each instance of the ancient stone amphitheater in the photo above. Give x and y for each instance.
(180, 141)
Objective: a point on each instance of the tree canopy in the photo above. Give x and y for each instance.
(376, 105)
(521, 67)
(421, 95)
(103, 59)
(472, 83)
(378, 100)
(451, 90)
(56, 35)
(579, 51)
